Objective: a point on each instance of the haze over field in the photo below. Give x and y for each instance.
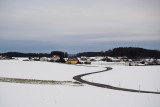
(76, 26)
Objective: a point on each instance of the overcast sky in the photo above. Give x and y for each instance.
(78, 25)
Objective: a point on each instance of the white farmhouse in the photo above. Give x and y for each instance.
(55, 58)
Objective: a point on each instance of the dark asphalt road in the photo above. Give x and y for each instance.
(79, 78)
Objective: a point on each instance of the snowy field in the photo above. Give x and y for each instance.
(133, 77)
(38, 95)
(42, 70)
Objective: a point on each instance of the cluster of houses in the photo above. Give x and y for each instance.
(89, 60)
(54, 58)
(127, 61)
(5, 57)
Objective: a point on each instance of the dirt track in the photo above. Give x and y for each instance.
(78, 78)
(35, 81)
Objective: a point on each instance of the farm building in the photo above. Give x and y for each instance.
(54, 58)
(72, 60)
(123, 59)
(44, 59)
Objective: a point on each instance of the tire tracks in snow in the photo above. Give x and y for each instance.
(79, 78)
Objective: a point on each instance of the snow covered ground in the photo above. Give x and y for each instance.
(133, 77)
(41, 70)
(35, 95)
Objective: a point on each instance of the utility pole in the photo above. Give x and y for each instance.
(139, 88)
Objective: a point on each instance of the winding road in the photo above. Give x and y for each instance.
(79, 78)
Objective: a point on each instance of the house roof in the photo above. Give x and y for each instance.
(72, 59)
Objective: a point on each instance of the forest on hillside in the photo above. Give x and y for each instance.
(130, 52)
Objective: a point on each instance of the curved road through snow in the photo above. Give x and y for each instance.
(78, 78)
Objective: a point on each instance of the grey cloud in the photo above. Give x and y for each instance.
(80, 21)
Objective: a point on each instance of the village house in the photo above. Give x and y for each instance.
(113, 59)
(65, 59)
(44, 59)
(1, 57)
(72, 60)
(55, 58)
(87, 61)
(134, 63)
(123, 59)
(5, 57)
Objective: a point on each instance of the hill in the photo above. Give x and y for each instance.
(130, 52)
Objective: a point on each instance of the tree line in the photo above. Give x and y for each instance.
(19, 54)
(130, 52)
